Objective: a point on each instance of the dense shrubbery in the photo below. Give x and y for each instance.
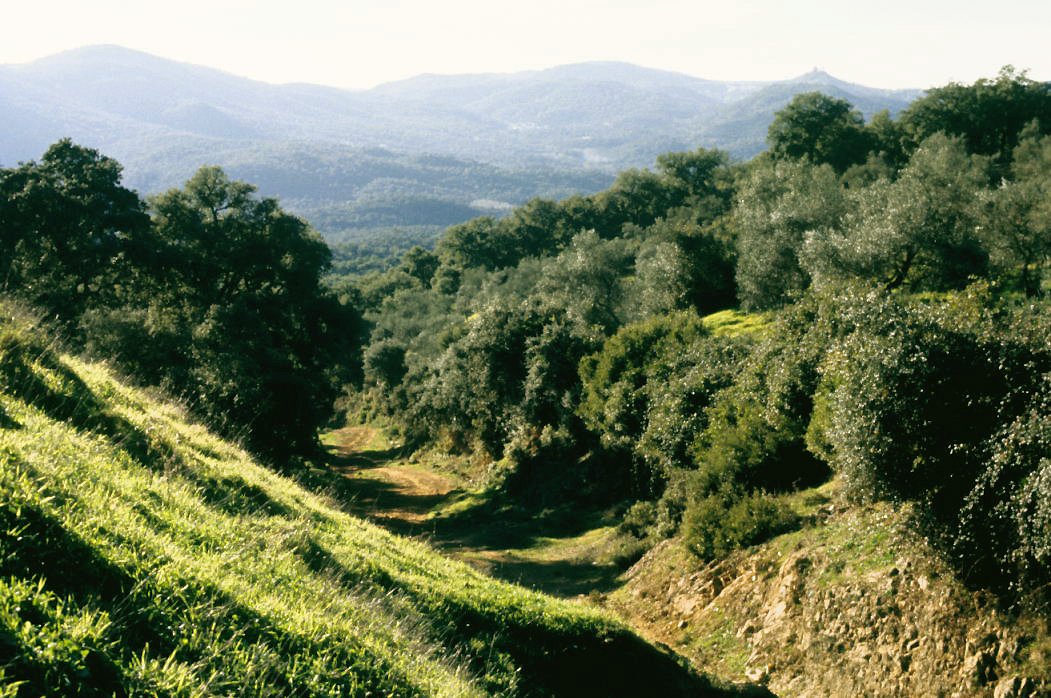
(717, 524)
(847, 232)
(943, 402)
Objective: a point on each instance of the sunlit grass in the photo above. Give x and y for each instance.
(140, 554)
(730, 323)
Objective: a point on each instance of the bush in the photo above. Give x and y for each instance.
(384, 363)
(945, 401)
(679, 396)
(1008, 512)
(717, 524)
(913, 395)
(756, 429)
(614, 398)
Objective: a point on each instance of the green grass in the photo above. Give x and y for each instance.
(715, 640)
(869, 540)
(731, 323)
(141, 555)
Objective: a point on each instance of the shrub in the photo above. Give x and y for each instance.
(717, 524)
(614, 398)
(1007, 514)
(914, 393)
(945, 401)
(384, 363)
(679, 395)
(756, 428)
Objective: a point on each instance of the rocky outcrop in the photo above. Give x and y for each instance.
(853, 606)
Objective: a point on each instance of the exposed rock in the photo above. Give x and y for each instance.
(810, 625)
(759, 674)
(1015, 687)
(685, 606)
(980, 668)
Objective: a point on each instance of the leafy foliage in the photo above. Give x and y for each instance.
(988, 115)
(718, 524)
(217, 299)
(777, 204)
(935, 403)
(1017, 218)
(71, 234)
(918, 231)
(821, 129)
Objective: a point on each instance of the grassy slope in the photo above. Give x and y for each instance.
(141, 555)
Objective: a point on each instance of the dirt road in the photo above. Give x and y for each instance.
(559, 554)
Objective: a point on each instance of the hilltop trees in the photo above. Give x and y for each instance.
(776, 206)
(69, 231)
(988, 115)
(217, 297)
(919, 231)
(821, 129)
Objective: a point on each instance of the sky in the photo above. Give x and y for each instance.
(361, 43)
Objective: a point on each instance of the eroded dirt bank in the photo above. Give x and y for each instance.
(855, 606)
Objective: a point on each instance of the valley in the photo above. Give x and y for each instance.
(852, 603)
(712, 427)
(559, 552)
(425, 152)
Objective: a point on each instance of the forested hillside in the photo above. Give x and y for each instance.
(881, 289)
(420, 153)
(694, 350)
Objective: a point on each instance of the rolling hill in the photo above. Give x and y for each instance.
(340, 156)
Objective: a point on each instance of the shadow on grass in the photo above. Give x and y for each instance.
(545, 659)
(563, 578)
(150, 620)
(68, 399)
(509, 528)
(485, 534)
(235, 496)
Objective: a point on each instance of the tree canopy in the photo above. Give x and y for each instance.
(821, 129)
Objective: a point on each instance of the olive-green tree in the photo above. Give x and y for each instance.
(919, 231)
(1017, 218)
(777, 204)
(821, 129)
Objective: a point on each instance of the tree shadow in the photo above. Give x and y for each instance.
(550, 661)
(148, 620)
(66, 398)
(563, 578)
(342, 461)
(235, 496)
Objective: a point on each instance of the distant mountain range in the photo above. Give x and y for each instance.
(430, 150)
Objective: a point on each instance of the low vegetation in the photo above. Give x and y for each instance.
(140, 554)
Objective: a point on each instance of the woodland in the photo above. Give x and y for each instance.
(865, 300)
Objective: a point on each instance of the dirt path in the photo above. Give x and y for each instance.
(386, 489)
(558, 554)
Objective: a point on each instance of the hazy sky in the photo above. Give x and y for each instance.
(360, 43)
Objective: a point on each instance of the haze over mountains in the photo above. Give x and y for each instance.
(427, 151)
